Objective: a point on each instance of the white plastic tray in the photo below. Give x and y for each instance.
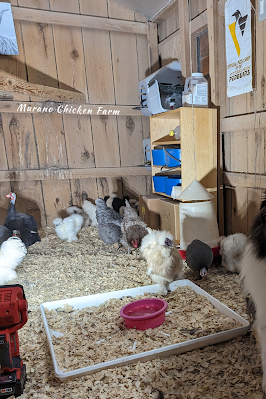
(95, 300)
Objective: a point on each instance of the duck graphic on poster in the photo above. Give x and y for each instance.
(238, 47)
(232, 27)
(8, 40)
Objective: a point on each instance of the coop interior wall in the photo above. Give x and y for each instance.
(104, 65)
(242, 122)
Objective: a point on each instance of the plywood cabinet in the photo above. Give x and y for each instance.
(198, 144)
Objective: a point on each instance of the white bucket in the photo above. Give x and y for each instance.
(198, 221)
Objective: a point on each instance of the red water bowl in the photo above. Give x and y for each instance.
(215, 251)
(145, 313)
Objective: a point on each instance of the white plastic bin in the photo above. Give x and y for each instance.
(150, 99)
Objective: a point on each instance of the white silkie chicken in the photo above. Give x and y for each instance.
(68, 228)
(164, 261)
(12, 252)
(90, 210)
(231, 250)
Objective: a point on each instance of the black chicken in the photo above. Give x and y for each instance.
(199, 257)
(26, 224)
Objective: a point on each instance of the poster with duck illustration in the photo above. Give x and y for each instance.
(238, 46)
(8, 39)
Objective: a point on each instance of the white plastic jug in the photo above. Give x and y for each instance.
(195, 91)
(198, 222)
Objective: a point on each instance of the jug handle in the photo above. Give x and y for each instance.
(187, 82)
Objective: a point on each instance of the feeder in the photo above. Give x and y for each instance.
(145, 313)
(197, 218)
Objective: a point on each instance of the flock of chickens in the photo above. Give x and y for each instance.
(118, 222)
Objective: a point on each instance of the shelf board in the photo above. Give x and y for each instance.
(168, 140)
(165, 195)
(167, 171)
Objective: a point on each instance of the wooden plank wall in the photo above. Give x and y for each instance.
(106, 67)
(242, 118)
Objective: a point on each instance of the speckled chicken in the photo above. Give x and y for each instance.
(133, 228)
(199, 257)
(109, 223)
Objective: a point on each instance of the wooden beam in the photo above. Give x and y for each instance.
(196, 23)
(153, 52)
(164, 13)
(244, 180)
(62, 174)
(52, 107)
(82, 21)
(212, 12)
(184, 37)
(21, 86)
(244, 122)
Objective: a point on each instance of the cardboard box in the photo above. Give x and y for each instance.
(148, 210)
(169, 217)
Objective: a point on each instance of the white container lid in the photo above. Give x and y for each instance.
(195, 192)
(197, 74)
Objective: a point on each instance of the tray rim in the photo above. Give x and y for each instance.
(165, 351)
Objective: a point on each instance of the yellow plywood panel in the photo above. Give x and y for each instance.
(199, 126)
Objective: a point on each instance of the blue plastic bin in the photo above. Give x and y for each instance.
(170, 182)
(169, 161)
(158, 157)
(159, 183)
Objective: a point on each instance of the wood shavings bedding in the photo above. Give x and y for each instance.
(54, 270)
(96, 334)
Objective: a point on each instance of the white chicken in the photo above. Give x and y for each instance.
(164, 261)
(12, 252)
(68, 228)
(231, 250)
(72, 210)
(90, 210)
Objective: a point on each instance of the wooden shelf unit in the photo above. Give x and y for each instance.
(197, 125)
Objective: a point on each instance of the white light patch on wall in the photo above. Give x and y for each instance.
(8, 39)
(262, 10)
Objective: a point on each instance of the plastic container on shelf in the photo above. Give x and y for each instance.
(172, 157)
(175, 133)
(159, 183)
(158, 157)
(195, 91)
(171, 181)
